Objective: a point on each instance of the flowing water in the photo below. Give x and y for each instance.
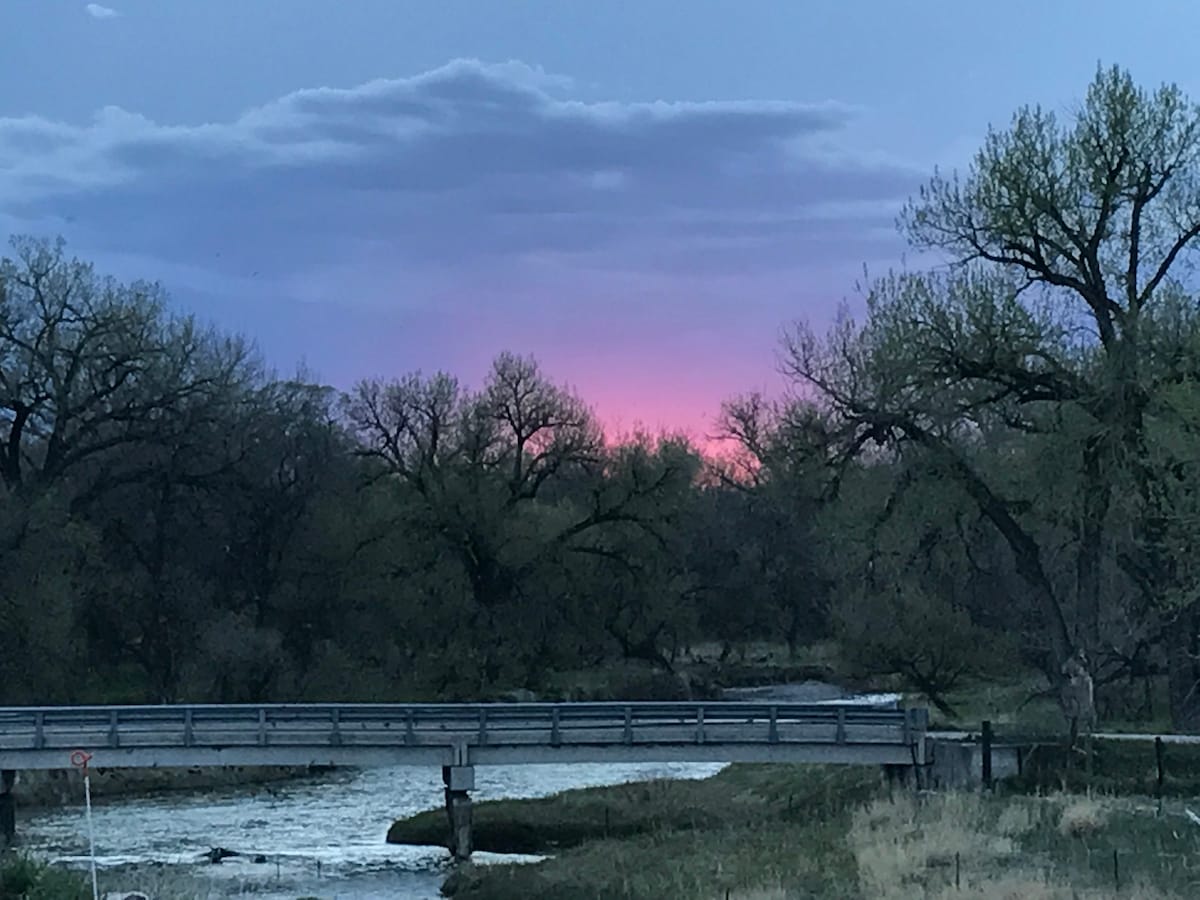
(320, 837)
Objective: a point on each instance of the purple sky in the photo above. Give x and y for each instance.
(638, 197)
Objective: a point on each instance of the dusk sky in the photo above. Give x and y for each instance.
(640, 193)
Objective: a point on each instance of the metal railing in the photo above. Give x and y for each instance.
(398, 726)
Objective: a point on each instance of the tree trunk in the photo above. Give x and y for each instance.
(1088, 557)
(1183, 670)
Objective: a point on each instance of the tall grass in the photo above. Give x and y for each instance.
(774, 832)
(968, 845)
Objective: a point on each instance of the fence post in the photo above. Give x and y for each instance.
(335, 720)
(1158, 760)
(985, 750)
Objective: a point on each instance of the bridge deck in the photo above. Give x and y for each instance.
(458, 734)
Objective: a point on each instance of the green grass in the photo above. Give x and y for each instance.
(812, 860)
(776, 832)
(738, 794)
(740, 829)
(22, 878)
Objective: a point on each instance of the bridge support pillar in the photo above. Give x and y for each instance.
(8, 807)
(460, 781)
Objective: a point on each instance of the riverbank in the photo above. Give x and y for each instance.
(802, 831)
(49, 789)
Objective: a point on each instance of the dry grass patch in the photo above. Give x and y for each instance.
(1082, 816)
(968, 845)
(911, 844)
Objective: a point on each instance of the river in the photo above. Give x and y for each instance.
(321, 837)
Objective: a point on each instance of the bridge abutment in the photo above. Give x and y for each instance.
(459, 781)
(8, 807)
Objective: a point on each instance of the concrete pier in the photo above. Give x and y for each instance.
(459, 781)
(8, 807)
(955, 765)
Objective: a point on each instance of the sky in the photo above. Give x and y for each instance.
(639, 193)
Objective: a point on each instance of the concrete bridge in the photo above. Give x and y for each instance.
(456, 737)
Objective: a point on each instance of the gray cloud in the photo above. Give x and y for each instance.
(466, 166)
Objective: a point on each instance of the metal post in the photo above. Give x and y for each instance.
(1158, 760)
(8, 807)
(986, 751)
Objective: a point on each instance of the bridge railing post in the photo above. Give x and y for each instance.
(483, 734)
(700, 725)
(555, 736)
(629, 724)
(39, 730)
(773, 729)
(189, 736)
(262, 726)
(335, 737)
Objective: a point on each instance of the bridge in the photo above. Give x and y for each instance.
(456, 737)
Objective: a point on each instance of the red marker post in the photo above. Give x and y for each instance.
(80, 760)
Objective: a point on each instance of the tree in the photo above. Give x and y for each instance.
(511, 482)
(1066, 240)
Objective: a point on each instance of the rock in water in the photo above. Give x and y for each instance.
(216, 854)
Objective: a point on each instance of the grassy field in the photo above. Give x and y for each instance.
(774, 832)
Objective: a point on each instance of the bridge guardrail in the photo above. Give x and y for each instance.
(186, 725)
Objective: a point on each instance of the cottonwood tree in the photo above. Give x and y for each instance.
(509, 480)
(1065, 238)
(91, 367)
